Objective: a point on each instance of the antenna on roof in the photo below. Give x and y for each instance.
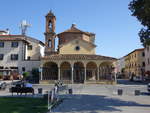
(24, 25)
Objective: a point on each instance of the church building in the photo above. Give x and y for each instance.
(75, 60)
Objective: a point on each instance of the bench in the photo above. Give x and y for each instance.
(22, 90)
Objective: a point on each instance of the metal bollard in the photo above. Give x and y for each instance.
(120, 92)
(40, 90)
(70, 91)
(137, 92)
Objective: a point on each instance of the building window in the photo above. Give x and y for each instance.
(1, 67)
(23, 69)
(1, 44)
(1, 56)
(14, 44)
(148, 61)
(77, 48)
(13, 67)
(28, 58)
(14, 56)
(143, 64)
(143, 54)
(29, 47)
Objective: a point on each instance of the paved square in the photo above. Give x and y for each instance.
(104, 99)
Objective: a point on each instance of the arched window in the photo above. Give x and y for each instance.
(49, 43)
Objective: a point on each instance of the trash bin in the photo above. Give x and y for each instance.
(120, 91)
(70, 91)
(39, 90)
(137, 92)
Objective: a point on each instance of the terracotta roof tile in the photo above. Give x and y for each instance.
(77, 57)
(17, 38)
(76, 30)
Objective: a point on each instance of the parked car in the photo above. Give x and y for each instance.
(137, 79)
(148, 87)
(2, 85)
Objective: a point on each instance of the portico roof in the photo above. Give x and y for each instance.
(77, 57)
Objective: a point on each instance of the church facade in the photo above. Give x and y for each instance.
(75, 60)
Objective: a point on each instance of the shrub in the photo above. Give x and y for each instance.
(25, 75)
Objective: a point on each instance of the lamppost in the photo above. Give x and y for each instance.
(114, 74)
(40, 71)
(142, 73)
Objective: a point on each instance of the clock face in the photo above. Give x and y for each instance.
(77, 48)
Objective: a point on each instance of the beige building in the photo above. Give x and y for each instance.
(75, 60)
(135, 63)
(19, 53)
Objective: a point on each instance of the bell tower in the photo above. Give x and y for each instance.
(50, 34)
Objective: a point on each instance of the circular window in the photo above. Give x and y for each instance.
(77, 48)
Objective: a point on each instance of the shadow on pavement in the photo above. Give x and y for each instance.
(94, 103)
(145, 93)
(128, 82)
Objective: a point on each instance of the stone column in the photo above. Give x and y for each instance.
(58, 73)
(72, 74)
(85, 74)
(98, 73)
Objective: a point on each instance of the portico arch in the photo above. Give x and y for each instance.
(91, 71)
(78, 72)
(106, 69)
(65, 71)
(50, 71)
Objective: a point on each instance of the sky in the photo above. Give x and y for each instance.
(116, 30)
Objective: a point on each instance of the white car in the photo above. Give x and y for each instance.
(2, 85)
(137, 78)
(148, 87)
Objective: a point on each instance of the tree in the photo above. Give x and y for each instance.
(35, 74)
(25, 75)
(141, 10)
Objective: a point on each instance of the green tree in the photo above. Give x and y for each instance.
(25, 75)
(35, 74)
(141, 10)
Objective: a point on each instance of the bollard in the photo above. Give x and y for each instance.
(137, 92)
(70, 91)
(120, 91)
(39, 90)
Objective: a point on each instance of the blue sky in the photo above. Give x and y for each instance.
(116, 30)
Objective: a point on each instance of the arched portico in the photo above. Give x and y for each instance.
(78, 75)
(65, 71)
(76, 69)
(50, 71)
(91, 71)
(105, 70)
